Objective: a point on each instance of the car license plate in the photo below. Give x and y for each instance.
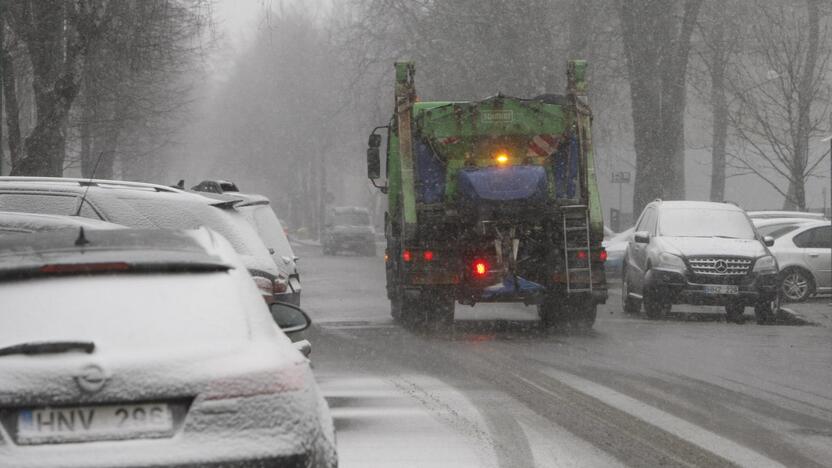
(714, 289)
(83, 423)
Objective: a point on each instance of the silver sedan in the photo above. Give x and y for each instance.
(805, 258)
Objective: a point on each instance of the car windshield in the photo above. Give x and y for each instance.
(355, 218)
(777, 230)
(698, 222)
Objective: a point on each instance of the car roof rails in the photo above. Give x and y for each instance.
(89, 182)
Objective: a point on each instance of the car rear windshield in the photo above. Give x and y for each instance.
(269, 228)
(352, 219)
(703, 222)
(777, 231)
(124, 311)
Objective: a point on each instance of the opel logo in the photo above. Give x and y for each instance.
(720, 266)
(91, 378)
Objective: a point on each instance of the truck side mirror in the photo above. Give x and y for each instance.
(373, 162)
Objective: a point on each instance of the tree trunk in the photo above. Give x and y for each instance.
(796, 195)
(11, 105)
(719, 108)
(657, 56)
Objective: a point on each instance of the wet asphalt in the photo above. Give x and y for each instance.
(495, 390)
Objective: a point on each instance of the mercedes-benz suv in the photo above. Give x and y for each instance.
(685, 252)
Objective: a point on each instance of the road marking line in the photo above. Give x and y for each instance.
(685, 430)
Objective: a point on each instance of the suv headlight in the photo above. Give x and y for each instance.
(765, 264)
(668, 260)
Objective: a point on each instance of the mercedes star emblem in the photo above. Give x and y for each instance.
(720, 266)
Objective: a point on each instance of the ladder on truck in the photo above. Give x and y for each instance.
(575, 240)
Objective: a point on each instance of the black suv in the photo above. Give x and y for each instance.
(685, 252)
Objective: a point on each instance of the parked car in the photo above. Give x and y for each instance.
(257, 210)
(686, 252)
(215, 186)
(777, 227)
(133, 367)
(348, 228)
(785, 214)
(16, 223)
(140, 205)
(616, 246)
(805, 258)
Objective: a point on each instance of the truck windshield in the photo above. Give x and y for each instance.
(352, 219)
(690, 222)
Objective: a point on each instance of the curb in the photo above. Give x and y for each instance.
(793, 318)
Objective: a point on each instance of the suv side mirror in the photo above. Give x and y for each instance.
(289, 318)
(768, 241)
(641, 237)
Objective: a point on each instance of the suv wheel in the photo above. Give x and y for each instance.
(631, 305)
(654, 307)
(795, 285)
(733, 312)
(766, 311)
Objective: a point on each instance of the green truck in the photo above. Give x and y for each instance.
(491, 201)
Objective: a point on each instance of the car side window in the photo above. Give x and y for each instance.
(46, 203)
(817, 238)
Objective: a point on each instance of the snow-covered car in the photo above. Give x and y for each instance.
(149, 206)
(805, 258)
(15, 223)
(125, 370)
(616, 246)
(689, 252)
(777, 227)
(257, 210)
(785, 214)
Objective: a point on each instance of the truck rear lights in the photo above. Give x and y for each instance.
(480, 268)
(602, 255)
(501, 158)
(427, 255)
(581, 255)
(407, 256)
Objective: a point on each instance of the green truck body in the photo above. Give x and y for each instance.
(492, 200)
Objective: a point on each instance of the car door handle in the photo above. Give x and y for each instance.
(814, 255)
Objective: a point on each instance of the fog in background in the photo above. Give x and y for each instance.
(279, 96)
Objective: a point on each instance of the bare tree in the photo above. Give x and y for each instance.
(777, 116)
(57, 35)
(656, 38)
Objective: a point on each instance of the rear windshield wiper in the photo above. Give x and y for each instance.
(47, 347)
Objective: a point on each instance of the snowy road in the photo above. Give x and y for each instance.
(688, 391)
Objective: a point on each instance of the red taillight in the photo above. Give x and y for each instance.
(581, 255)
(265, 285)
(428, 255)
(602, 256)
(406, 256)
(280, 286)
(480, 267)
(85, 267)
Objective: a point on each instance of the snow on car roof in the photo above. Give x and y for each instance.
(33, 222)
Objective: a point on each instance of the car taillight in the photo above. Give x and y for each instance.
(280, 286)
(289, 379)
(480, 268)
(265, 285)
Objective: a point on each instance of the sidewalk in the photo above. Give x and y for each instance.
(816, 311)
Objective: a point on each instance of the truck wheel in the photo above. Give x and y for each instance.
(733, 312)
(582, 314)
(654, 307)
(552, 313)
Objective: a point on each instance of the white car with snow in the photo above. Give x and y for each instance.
(149, 348)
